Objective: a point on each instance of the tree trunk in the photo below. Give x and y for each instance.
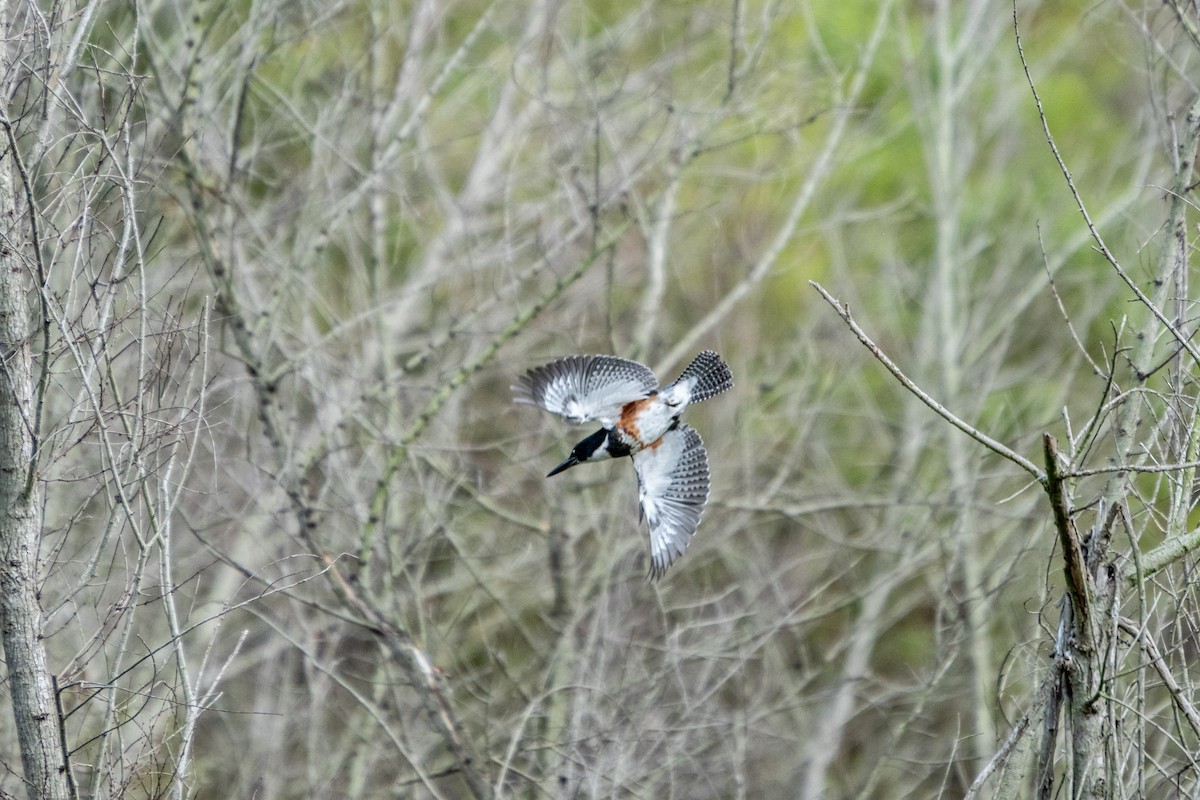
(20, 510)
(20, 530)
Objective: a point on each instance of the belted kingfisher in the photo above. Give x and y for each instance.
(641, 421)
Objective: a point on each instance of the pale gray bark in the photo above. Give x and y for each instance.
(20, 526)
(29, 684)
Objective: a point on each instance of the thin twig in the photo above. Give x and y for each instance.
(1062, 309)
(1082, 446)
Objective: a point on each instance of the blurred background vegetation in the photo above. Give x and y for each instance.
(298, 542)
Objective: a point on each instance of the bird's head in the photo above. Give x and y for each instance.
(593, 448)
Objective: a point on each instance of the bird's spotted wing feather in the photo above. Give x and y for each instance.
(672, 488)
(706, 376)
(583, 388)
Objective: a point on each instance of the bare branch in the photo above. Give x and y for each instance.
(924, 397)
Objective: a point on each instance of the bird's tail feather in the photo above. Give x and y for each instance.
(709, 375)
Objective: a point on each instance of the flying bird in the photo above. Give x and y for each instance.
(642, 421)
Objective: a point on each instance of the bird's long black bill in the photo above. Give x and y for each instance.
(570, 462)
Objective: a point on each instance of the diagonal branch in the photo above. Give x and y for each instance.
(924, 397)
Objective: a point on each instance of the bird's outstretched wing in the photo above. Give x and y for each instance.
(583, 388)
(673, 488)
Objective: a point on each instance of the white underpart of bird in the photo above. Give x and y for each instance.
(657, 417)
(643, 422)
